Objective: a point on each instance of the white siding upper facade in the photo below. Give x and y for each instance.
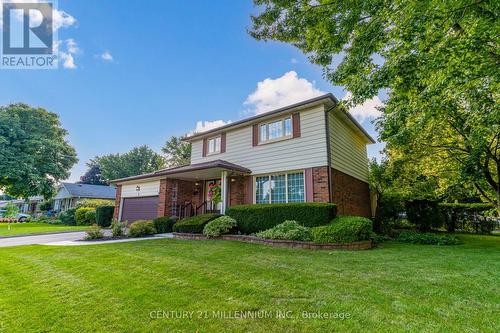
(308, 150)
(146, 189)
(347, 147)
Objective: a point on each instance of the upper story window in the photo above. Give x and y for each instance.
(214, 145)
(275, 130)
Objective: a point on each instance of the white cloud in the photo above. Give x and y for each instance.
(367, 110)
(203, 126)
(272, 94)
(106, 56)
(66, 49)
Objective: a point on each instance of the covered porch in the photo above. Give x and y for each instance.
(199, 188)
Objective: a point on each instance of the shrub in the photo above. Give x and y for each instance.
(343, 229)
(94, 203)
(424, 214)
(82, 218)
(164, 224)
(104, 215)
(390, 207)
(467, 217)
(141, 228)
(117, 228)
(68, 217)
(255, 218)
(94, 233)
(219, 226)
(194, 224)
(289, 230)
(426, 238)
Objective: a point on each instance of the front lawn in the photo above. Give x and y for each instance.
(120, 287)
(34, 228)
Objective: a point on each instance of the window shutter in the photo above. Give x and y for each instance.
(255, 136)
(296, 125)
(205, 143)
(223, 143)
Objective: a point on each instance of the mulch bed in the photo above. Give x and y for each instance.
(363, 245)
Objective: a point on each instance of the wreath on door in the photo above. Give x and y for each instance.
(214, 193)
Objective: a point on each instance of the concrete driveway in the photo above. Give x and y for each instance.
(68, 239)
(41, 239)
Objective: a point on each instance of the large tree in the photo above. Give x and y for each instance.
(177, 152)
(137, 161)
(34, 152)
(438, 60)
(93, 176)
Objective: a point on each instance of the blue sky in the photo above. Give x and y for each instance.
(136, 72)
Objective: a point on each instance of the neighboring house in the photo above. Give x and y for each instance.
(70, 194)
(307, 152)
(29, 206)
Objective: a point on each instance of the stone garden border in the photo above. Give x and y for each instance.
(362, 245)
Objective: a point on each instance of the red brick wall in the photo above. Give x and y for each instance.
(240, 190)
(351, 195)
(175, 192)
(321, 184)
(117, 201)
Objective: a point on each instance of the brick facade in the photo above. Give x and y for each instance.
(175, 192)
(320, 184)
(118, 200)
(351, 195)
(240, 190)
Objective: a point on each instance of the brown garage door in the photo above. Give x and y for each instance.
(144, 208)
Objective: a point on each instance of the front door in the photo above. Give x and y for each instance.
(210, 204)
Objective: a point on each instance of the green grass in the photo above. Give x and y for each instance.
(34, 228)
(114, 287)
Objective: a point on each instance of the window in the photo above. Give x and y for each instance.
(214, 145)
(280, 188)
(275, 130)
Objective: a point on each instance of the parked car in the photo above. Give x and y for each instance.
(20, 217)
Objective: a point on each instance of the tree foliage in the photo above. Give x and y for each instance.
(93, 176)
(137, 161)
(34, 153)
(178, 152)
(437, 59)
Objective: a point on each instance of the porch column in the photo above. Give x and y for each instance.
(223, 192)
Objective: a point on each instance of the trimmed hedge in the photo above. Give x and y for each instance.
(164, 224)
(426, 238)
(82, 218)
(424, 214)
(255, 218)
(467, 217)
(141, 228)
(288, 230)
(104, 215)
(194, 224)
(343, 229)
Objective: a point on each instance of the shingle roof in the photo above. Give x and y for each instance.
(90, 191)
(192, 167)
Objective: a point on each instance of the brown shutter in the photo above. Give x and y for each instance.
(223, 143)
(309, 185)
(296, 125)
(255, 137)
(204, 147)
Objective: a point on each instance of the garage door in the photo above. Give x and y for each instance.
(144, 208)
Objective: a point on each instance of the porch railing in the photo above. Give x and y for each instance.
(188, 209)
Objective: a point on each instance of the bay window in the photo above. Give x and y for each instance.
(280, 188)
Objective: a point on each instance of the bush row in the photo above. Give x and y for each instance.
(255, 218)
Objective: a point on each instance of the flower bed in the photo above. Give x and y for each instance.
(362, 245)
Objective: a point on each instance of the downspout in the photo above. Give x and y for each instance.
(328, 155)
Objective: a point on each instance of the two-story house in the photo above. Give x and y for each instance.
(307, 152)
